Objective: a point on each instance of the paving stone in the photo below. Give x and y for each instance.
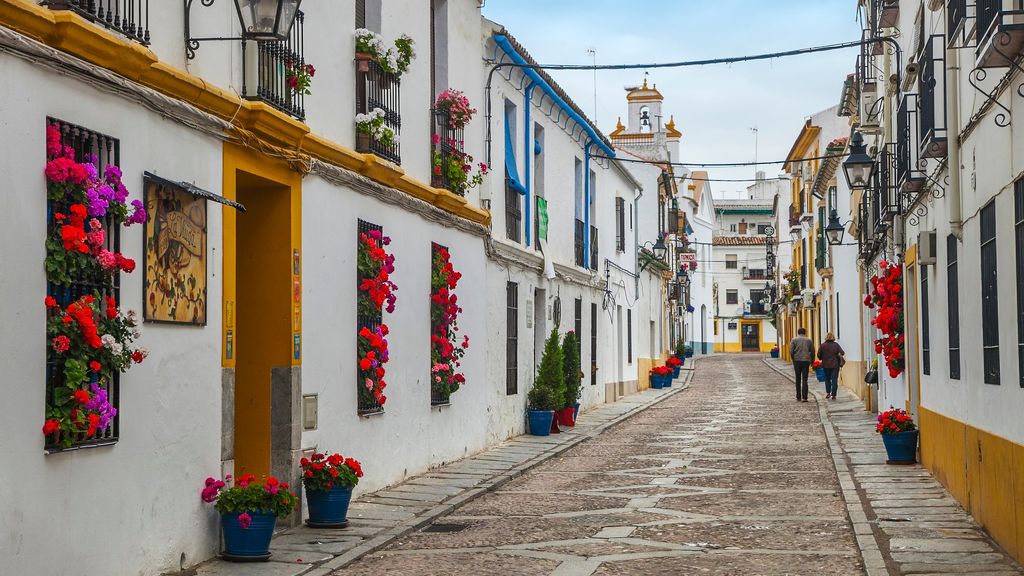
(221, 568)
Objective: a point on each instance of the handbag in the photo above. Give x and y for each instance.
(871, 377)
(842, 360)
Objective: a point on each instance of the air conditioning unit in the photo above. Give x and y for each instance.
(926, 248)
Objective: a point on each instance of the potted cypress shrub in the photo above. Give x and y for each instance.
(329, 481)
(249, 512)
(572, 379)
(899, 434)
(681, 351)
(547, 393)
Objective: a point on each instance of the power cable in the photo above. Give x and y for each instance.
(715, 164)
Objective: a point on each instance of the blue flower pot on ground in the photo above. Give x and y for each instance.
(819, 373)
(901, 448)
(774, 353)
(666, 381)
(675, 371)
(576, 411)
(250, 544)
(540, 422)
(656, 382)
(328, 509)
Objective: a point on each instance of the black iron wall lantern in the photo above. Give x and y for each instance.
(660, 249)
(261, 20)
(858, 167)
(834, 231)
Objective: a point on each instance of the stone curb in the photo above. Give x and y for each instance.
(491, 484)
(867, 541)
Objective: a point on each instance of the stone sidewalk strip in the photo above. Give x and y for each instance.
(378, 519)
(905, 521)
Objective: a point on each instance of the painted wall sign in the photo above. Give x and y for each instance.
(174, 277)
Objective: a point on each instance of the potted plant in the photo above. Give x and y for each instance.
(453, 169)
(453, 106)
(675, 364)
(688, 350)
(572, 379)
(658, 375)
(819, 372)
(546, 395)
(680, 352)
(329, 481)
(774, 352)
(370, 127)
(394, 61)
(299, 77)
(249, 512)
(899, 434)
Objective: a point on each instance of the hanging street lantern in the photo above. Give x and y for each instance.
(858, 166)
(267, 19)
(834, 231)
(660, 249)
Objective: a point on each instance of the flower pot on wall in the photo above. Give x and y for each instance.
(363, 62)
(328, 509)
(248, 544)
(362, 142)
(540, 422)
(901, 448)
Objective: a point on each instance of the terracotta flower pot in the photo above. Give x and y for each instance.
(363, 62)
(362, 142)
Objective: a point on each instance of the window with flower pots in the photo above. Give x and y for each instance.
(447, 346)
(89, 339)
(375, 295)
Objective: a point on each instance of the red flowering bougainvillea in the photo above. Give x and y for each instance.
(89, 339)
(887, 298)
(446, 348)
(376, 294)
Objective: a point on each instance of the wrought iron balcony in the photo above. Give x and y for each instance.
(446, 154)
(931, 103)
(128, 17)
(269, 66)
(377, 89)
(579, 243)
(755, 274)
(1000, 31)
(886, 13)
(909, 164)
(956, 16)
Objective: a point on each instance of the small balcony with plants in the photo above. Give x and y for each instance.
(129, 18)
(276, 72)
(378, 93)
(452, 168)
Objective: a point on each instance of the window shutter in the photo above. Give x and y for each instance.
(360, 13)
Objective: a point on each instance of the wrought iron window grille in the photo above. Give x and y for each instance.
(511, 338)
(446, 153)
(593, 248)
(932, 99)
(127, 17)
(366, 404)
(513, 213)
(377, 89)
(104, 150)
(578, 243)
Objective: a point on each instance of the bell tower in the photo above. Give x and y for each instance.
(647, 132)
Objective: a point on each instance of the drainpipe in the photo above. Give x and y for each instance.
(586, 201)
(953, 138)
(637, 194)
(527, 157)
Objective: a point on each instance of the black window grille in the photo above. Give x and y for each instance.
(379, 92)
(593, 248)
(953, 307)
(578, 326)
(513, 213)
(932, 98)
(629, 336)
(511, 338)
(732, 296)
(101, 150)
(366, 403)
(909, 176)
(673, 220)
(438, 396)
(593, 343)
(578, 243)
(620, 224)
(986, 12)
(1018, 230)
(128, 17)
(447, 153)
(956, 15)
(989, 295)
(275, 63)
(926, 352)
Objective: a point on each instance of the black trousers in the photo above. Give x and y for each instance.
(801, 369)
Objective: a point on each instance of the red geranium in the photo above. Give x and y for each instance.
(894, 421)
(321, 472)
(887, 297)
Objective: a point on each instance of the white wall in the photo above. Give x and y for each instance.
(132, 507)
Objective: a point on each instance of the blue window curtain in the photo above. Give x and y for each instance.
(511, 172)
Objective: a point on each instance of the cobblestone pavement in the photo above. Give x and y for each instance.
(905, 521)
(732, 476)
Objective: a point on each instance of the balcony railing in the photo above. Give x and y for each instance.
(377, 89)
(578, 243)
(932, 99)
(270, 67)
(446, 155)
(754, 274)
(593, 248)
(956, 16)
(886, 13)
(1000, 31)
(757, 309)
(909, 169)
(129, 17)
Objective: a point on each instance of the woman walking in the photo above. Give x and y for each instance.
(832, 358)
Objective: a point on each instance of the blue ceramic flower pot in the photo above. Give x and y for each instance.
(675, 371)
(774, 353)
(540, 422)
(328, 508)
(248, 544)
(819, 373)
(657, 382)
(901, 447)
(576, 411)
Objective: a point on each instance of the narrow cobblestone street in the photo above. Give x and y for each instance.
(730, 477)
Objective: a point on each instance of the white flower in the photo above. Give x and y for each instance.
(136, 334)
(132, 315)
(116, 348)
(362, 119)
(108, 341)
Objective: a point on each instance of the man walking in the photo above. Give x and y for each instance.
(801, 350)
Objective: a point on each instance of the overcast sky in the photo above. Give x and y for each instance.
(714, 106)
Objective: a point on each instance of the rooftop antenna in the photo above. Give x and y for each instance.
(754, 130)
(593, 56)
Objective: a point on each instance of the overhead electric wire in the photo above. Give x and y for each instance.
(715, 164)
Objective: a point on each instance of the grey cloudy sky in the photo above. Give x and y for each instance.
(714, 106)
